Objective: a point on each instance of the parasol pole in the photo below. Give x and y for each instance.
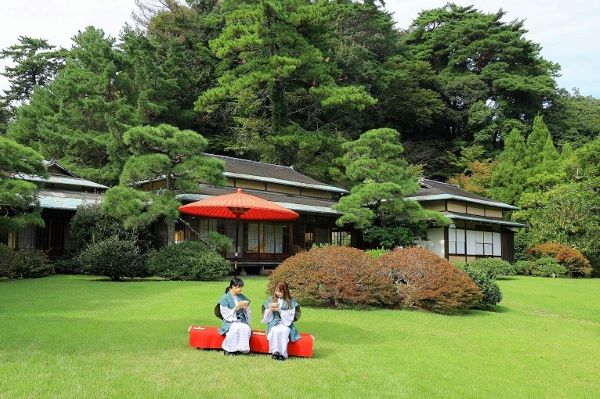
(237, 233)
(238, 212)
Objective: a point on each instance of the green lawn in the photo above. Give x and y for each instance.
(75, 336)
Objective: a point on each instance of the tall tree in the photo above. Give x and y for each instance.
(170, 62)
(573, 118)
(381, 179)
(79, 118)
(34, 63)
(161, 152)
(489, 76)
(271, 52)
(18, 198)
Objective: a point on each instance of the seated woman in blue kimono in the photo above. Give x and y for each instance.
(235, 312)
(279, 314)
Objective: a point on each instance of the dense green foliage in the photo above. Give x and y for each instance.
(34, 63)
(486, 284)
(18, 201)
(9, 261)
(381, 179)
(33, 263)
(189, 260)
(90, 225)
(492, 267)
(24, 263)
(115, 258)
(161, 152)
(547, 267)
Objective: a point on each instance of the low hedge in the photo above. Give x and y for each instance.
(24, 263)
(576, 264)
(190, 260)
(487, 285)
(9, 262)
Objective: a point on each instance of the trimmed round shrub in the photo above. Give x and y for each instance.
(493, 267)
(33, 263)
(576, 264)
(547, 267)
(114, 258)
(335, 276)
(9, 261)
(423, 280)
(523, 267)
(488, 287)
(189, 260)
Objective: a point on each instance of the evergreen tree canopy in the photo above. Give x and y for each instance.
(80, 116)
(35, 61)
(490, 78)
(381, 180)
(18, 200)
(161, 152)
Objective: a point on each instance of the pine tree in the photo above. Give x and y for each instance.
(80, 116)
(381, 179)
(271, 49)
(35, 63)
(18, 200)
(161, 152)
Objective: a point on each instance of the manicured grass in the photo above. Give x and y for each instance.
(75, 336)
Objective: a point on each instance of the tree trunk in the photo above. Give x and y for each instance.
(279, 116)
(170, 233)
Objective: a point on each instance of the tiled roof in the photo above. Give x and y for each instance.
(62, 180)
(244, 166)
(271, 173)
(432, 190)
(64, 199)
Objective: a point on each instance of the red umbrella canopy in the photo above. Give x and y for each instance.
(248, 207)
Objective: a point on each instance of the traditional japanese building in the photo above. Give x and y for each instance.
(478, 228)
(59, 196)
(266, 243)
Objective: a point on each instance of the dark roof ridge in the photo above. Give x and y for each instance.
(249, 160)
(54, 162)
(423, 179)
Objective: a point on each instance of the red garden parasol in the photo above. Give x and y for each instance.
(239, 205)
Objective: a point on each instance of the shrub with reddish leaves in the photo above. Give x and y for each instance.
(335, 277)
(423, 280)
(572, 259)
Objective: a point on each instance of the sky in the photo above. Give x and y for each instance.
(568, 30)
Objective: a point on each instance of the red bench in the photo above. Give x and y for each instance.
(209, 338)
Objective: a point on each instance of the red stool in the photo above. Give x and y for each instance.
(209, 338)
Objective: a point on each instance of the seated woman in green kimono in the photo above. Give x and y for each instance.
(235, 311)
(280, 311)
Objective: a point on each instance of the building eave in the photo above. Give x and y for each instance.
(65, 180)
(482, 219)
(321, 187)
(437, 197)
